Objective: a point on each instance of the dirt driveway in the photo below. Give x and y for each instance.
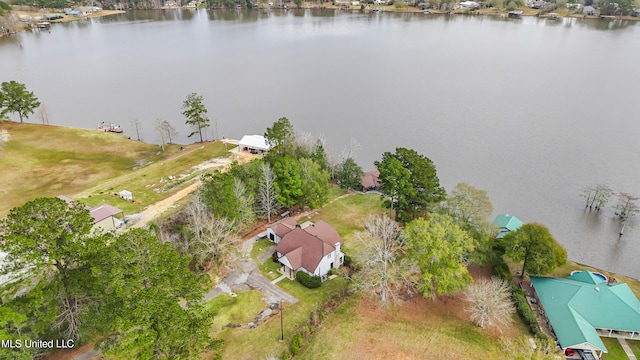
(153, 211)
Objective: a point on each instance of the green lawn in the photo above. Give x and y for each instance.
(635, 347)
(262, 341)
(240, 309)
(348, 213)
(615, 350)
(269, 268)
(358, 330)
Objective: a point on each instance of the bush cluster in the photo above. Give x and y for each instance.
(501, 269)
(519, 298)
(307, 280)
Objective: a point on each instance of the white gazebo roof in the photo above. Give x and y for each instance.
(255, 142)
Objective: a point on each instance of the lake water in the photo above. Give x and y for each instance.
(530, 110)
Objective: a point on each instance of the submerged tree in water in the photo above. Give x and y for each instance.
(627, 206)
(597, 196)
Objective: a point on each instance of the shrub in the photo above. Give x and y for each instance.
(522, 305)
(296, 343)
(307, 280)
(501, 269)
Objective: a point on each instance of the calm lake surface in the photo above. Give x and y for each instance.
(530, 110)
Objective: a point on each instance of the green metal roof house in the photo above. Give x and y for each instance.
(583, 307)
(506, 223)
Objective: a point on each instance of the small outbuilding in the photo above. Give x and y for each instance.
(126, 195)
(589, 10)
(255, 144)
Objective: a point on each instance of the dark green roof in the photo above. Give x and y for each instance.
(581, 303)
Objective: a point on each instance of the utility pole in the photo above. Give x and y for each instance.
(281, 328)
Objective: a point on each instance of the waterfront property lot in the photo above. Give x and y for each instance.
(91, 166)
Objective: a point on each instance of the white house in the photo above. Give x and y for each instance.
(277, 230)
(313, 248)
(254, 143)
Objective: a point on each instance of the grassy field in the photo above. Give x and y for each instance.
(416, 330)
(244, 343)
(91, 166)
(348, 213)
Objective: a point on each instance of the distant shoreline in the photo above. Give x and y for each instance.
(558, 14)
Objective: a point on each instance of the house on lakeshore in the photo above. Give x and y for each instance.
(255, 144)
(506, 223)
(583, 307)
(314, 248)
(589, 10)
(369, 180)
(105, 217)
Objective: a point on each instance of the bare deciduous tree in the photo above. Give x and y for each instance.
(627, 206)
(43, 114)
(489, 303)
(351, 151)
(169, 130)
(383, 275)
(4, 139)
(596, 196)
(267, 195)
(208, 240)
(137, 126)
(160, 133)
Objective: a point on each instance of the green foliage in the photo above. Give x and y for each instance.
(349, 174)
(307, 280)
(296, 343)
(144, 283)
(438, 248)
(289, 182)
(319, 156)
(217, 193)
(49, 240)
(14, 98)
(416, 188)
(196, 114)
(280, 135)
(469, 207)
(522, 306)
(501, 269)
(4, 7)
(534, 245)
(315, 186)
(395, 182)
